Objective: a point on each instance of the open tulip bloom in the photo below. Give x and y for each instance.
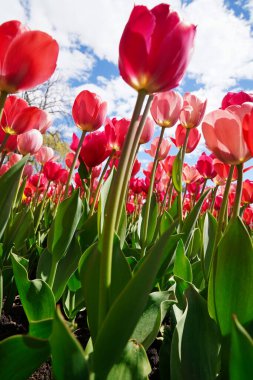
(108, 261)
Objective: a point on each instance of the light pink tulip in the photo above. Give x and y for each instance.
(163, 150)
(148, 131)
(193, 111)
(166, 107)
(44, 155)
(30, 142)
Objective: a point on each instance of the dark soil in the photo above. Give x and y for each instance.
(16, 323)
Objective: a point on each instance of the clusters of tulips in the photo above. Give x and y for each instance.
(164, 257)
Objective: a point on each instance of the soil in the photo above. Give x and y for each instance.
(16, 323)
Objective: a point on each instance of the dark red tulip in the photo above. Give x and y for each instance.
(235, 98)
(205, 166)
(94, 149)
(52, 170)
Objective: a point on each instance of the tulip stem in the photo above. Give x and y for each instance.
(100, 183)
(180, 201)
(74, 164)
(163, 207)
(238, 195)
(42, 207)
(110, 215)
(214, 192)
(144, 229)
(133, 154)
(203, 187)
(2, 159)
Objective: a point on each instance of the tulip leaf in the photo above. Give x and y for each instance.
(231, 278)
(36, 296)
(9, 184)
(176, 172)
(21, 355)
(241, 356)
(102, 201)
(182, 266)
(150, 321)
(67, 354)
(195, 342)
(19, 230)
(152, 221)
(133, 364)
(64, 226)
(127, 309)
(209, 232)
(88, 232)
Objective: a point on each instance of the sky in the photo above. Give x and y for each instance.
(89, 32)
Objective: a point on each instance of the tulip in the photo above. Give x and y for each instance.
(8, 142)
(205, 166)
(163, 149)
(69, 160)
(247, 126)
(10, 116)
(28, 171)
(155, 49)
(52, 170)
(30, 142)
(235, 98)
(190, 174)
(89, 112)
(94, 149)
(223, 132)
(136, 168)
(192, 112)
(44, 154)
(147, 131)
(14, 158)
(166, 107)
(247, 192)
(27, 58)
(116, 131)
(193, 139)
(168, 165)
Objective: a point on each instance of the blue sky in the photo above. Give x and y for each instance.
(89, 31)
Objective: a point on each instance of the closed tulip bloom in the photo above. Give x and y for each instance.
(190, 174)
(166, 107)
(168, 165)
(223, 133)
(247, 192)
(44, 155)
(147, 131)
(38, 118)
(30, 142)
(193, 111)
(193, 140)
(116, 131)
(14, 158)
(94, 149)
(27, 58)
(235, 98)
(155, 49)
(88, 111)
(247, 126)
(205, 166)
(163, 150)
(69, 159)
(52, 170)
(28, 171)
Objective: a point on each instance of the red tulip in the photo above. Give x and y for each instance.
(88, 111)
(205, 166)
(136, 168)
(247, 126)
(193, 111)
(248, 216)
(247, 192)
(168, 165)
(223, 132)
(235, 98)
(27, 58)
(166, 107)
(29, 142)
(193, 140)
(116, 131)
(155, 49)
(38, 178)
(94, 149)
(52, 170)
(69, 160)
(11, 143)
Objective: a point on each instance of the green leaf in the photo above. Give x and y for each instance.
(168, 254)
(152, 221)
(19, 230)
(133, 364)
(182, 266)
(166, 222)
(230, 288)
(64, 226)
(88, 233)
(191, 219)
(209, 232)
(195, 342)
(89, 268)
(176, 172)
(67, 354)
(150, 321)
(126, 310)
(9, 184)
(21, 355)
(241, 356)
(1, 291)
(36, 296)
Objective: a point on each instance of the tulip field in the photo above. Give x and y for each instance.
(114, 271)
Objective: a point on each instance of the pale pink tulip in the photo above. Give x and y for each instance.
(166, 107)
(193, 111)
(30, 142)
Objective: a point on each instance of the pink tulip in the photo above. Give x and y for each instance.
(14, 158)
(205, 166)
(30, 142)
(193, 140)
(69, 160)
(116, 131)
(155, 49)
(44, 155)
(223, 132)
(166, 107)
(193, 111)
(89, 112)
(163, 150)
(190, 174)
(148, 130)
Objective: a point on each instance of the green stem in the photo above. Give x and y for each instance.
(42, 207)
(203, 187)
(170, 196)
(36, 195)
(132, 157)
(74, 164)
(238, 195)
(2, 159)
(165, 197)
(214, 192)
(100, 183)
(112, 205)
(144, 229)
(51, 277)
(180, 202)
